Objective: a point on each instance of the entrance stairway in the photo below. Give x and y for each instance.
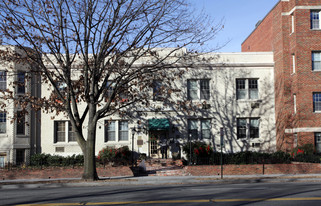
(163, 167)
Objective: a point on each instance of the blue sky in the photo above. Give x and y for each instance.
(240, 17)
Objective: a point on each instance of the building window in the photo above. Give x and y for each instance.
(71, 133)
(241, 128)
(206, 129)
(198, 89)
(116, 131)
(157, 90)
(3, 80)
(20, 121)
(317, 102)
(295, 140)
(316, 61)
(254, 128)
(199, 129)
(247, 89)
(111, 131)
(60, 131)
(248, 127)
(123, 131)
(110, 88)
(21, 83)
(3, 122)
(192, 129)
(315, 20)
(62, 87)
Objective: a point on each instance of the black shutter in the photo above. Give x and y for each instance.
(55, 131)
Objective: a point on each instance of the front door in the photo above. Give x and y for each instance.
(2, 161)
(154, 143)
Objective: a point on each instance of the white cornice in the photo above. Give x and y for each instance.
(301, 7)
(303, 129)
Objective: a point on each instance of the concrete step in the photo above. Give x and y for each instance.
(177, 172)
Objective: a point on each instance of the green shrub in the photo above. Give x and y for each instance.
(39, 160)
(55, 160)
(307, 149)
(198, 153)
(307, 158)
(117, 156)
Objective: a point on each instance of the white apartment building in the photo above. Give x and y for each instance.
(18, 136)
(232, 91)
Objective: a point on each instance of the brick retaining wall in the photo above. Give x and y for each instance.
(299, 168)
(200, 170)
(61, 172)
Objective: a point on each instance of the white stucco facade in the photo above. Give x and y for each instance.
(221, 73)
(18, 135)
(222, 110)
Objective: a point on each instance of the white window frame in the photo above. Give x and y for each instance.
(69, 132)
(295, 140)
(117, 131)
(202, 93)
(122, 131)
(317, 138)
(20, 121)
(196, 130)
(158, 94)
(247, 90)
(292, 24)
(247, 127)
(318, 14)
(317, 102)
(294, 103)
(3, 80)
(293, 64)
(21, 85)
(316, 60)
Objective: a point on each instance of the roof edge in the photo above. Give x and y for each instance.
(261, 21)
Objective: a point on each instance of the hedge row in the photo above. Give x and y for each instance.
(202, 154)
(56, 160)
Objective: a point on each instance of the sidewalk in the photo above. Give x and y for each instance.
(159, 180)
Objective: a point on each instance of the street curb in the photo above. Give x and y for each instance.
(122, 181)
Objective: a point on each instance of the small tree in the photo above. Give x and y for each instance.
(99, 56)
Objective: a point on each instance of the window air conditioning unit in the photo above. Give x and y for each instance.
(255, 105)
(256, 144)
(206, 106)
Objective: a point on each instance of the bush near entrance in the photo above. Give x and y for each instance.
(118, 156)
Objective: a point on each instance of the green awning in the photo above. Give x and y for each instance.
(158, 124)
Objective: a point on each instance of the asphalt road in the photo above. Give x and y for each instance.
(172, 194)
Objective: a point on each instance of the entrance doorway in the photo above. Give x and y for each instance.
(2, 160)
(155, 137)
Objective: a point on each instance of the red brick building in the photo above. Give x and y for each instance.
(292, 30)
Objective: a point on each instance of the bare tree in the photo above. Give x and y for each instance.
(102, 52)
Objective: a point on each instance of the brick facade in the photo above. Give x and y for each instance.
(276, 34)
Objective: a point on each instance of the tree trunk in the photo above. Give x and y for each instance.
(90, 172)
